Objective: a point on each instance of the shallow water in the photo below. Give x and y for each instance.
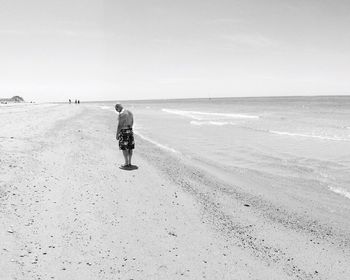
(300, 140)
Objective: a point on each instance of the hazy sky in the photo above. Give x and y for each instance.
(52, 50)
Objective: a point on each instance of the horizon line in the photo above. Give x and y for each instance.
(207, 98)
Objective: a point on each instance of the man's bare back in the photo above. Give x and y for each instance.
(126, 119)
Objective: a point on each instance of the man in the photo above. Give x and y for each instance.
(125, 134)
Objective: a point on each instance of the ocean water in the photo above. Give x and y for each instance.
(294, 143)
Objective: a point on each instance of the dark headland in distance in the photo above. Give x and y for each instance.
(13, 99)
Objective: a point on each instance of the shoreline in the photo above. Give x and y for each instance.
(68, 212)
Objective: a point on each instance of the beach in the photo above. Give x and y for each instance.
(193, 209)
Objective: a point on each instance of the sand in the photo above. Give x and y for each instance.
(68, 212)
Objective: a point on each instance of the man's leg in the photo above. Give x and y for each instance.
(126, 155)
(130, 155)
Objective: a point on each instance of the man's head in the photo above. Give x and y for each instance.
(118, 107)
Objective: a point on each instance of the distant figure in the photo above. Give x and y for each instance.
(75, 101)
(70, 101)
(125, 134)
(78, 101)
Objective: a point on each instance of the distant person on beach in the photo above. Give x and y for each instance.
(70, 101)
(75, 101)
(125, 134)
(78, 101)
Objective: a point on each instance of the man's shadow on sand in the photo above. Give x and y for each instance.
(129, 168)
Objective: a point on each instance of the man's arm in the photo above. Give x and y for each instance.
(132, 119)
(118, 128)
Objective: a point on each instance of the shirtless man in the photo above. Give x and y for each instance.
(125, 134)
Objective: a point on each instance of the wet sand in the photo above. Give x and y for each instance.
(68, 212)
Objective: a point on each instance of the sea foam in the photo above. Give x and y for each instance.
(332, 138)
(106, 108)
(340, 191)
(196, 115)
(199, 123)
(156, 143)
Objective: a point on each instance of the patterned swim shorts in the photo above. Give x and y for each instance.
(126, 139)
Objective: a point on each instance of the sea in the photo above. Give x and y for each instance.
(303, 142)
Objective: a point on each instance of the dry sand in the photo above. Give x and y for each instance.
(68, 212)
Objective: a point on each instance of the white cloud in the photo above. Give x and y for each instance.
(251, 40)
(226, 21)
(11, 32)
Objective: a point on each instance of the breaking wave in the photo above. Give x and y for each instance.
(283, 133)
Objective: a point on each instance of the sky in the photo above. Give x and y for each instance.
(52, 50)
